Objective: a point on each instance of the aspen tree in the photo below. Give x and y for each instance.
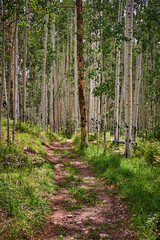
(143, 113)
(52, 97)
(64, 110)
(69, 87)
(118, 54)
(13, 65)
(43, 77)
(81, 79)
(3, 72)
(16, 78)
(103, 100)
(15, 83)
(105, 124)
(24, 68)
(12, 34)
(121, 105)
(128, 75)
(76, 72)
(5, 96)
(46, 108)
(57, 82)
(136, 96)
(51, 100)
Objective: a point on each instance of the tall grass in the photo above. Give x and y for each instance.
(26, 182)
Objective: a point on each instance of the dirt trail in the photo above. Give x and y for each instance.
(83, 207)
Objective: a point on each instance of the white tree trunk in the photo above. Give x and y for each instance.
(136, 95)
(128, 76)
(52, 100)
(43, 78)
(105, 123)
(16, 76)
(3, 74)
(118, 55)
(46, 107)
(24, 70)
(15, 83)
(76, 72)
(70, 96)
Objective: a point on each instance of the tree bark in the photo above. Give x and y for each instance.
(128, 76)
(76, 73)
(44, 124)
(24, 70)
(69, 83)
(136, 96)
(81, 79)
(118, 54)
(12, 34)
(52, 100)
(3, 73)
(15, 83)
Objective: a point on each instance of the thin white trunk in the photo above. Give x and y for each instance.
(24, 69)
(15, 82)
(46, 107)
(98, 120)
(43, 78)
(118, 55)
(70, 97)
(3, 74)
(64, 107)
(128, 76)
(105, 124)
(52, 100)
(136, 95)
(76, 72)
(5, 96)
(121, 106)
(57, 82)
(16, 76)
(12, 33)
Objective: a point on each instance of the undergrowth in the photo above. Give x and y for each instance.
(26, 181)
(136, 180)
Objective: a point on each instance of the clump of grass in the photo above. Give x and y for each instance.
(136, 179)
(83, 195)
(28, 128)
(150, 151)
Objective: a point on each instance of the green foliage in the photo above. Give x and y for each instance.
(149, 150)
(11, 156)
(50, 135)
(28, 128)
(26, 181)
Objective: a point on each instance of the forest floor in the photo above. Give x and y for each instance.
(84, 207)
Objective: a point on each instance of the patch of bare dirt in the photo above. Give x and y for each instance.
(104, 217)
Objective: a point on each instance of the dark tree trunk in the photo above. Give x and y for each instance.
(81, 80)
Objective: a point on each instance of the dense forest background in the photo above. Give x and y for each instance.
(87, 70)
(39, 69)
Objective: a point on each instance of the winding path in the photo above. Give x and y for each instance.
(83, 207)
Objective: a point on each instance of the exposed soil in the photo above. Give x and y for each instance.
(83, 207)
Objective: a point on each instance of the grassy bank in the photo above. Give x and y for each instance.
(136, 179)
(26, 181)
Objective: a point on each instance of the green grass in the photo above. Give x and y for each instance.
(83, 195)
(26, 182)
(136, 179)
